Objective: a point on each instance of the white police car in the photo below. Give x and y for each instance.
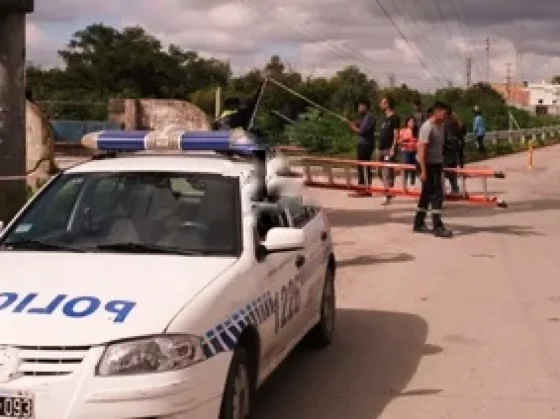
(158, 285)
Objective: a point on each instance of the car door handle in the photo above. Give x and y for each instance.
(300, 261)
(324, 236)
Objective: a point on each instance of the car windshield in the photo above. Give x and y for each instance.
(177, 213)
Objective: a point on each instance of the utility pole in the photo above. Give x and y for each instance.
(469, 71)
(487, 60)
(13, 183)
(519, 54)
(218, 102)
(508, 82)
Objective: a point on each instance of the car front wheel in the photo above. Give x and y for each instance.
(238, 394)
(322, 334)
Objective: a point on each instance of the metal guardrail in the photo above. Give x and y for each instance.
(522, 135)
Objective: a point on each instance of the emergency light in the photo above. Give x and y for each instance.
(170, 140)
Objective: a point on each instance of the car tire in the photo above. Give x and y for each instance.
(239, 388)
(322, 333)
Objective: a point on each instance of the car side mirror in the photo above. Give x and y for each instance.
(284, 239)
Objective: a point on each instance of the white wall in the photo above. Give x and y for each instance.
(548, 93)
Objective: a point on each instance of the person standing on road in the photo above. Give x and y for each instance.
(419, 115)
(462, 136)
(451, 148)
(388, 139)
(365, 129)
(430, 160)
(479, 129)
(408, 143)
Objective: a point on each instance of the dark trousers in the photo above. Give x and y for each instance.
(364, 153)
(387, 175)
(451, 162)
(431, 195)
(409, 157)
(461, 154)
(480, 143)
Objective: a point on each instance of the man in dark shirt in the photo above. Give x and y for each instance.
(365, 128)
(451, 149)
(388, 138)
(419, 116)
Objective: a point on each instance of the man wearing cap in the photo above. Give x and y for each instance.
(237, 114)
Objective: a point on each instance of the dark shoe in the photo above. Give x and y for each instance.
(443, 233)
(421, 229)
(387, 200)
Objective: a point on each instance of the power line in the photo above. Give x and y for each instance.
(439, 64)
(343, 52)
(324, 43)
(467, 23)
(451, 37)
(405, 39)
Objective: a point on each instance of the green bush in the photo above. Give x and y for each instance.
(322, 134)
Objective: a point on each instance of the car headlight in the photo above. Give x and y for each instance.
(151, 355)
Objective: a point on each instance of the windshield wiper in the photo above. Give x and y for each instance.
(35, 244)
(132, 247)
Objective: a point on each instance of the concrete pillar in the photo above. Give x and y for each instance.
(13, 193)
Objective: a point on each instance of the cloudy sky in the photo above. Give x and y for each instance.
(424, 43)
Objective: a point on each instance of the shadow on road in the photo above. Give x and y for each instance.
(339, 217)
(371, 361)
(366, 260)
(511, 230)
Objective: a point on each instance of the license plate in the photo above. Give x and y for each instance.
(17, 405)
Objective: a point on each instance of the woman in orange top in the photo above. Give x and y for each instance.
(408, 146)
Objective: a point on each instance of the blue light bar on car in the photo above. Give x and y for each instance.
(165, 140)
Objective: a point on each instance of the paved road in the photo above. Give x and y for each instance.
(433, 329)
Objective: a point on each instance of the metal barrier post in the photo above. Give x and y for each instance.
(464, 185)
(307, 171)
(347, 175)
(530, 165)
(329, 173)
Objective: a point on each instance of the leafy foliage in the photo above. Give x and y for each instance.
(101, 62)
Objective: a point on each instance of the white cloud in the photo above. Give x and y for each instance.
(322, 36)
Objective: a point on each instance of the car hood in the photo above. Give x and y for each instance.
(71, 299)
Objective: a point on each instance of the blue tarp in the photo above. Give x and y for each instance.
(73, 131)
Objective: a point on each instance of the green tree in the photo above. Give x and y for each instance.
(102, 62)
(351, 85)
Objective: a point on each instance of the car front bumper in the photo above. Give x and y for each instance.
(193, 393)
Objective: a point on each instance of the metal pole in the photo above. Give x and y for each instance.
(488, 60)
(254, 114)
(469, 71)
(218, 102)
(13, 192)
(322, 108)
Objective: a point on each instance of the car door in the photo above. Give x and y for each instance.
(310, 268)
(277, 301)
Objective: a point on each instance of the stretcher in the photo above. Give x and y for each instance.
(326, 178)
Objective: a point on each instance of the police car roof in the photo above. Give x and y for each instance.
(184, 162)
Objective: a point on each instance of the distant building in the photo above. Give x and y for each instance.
(530, 96)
